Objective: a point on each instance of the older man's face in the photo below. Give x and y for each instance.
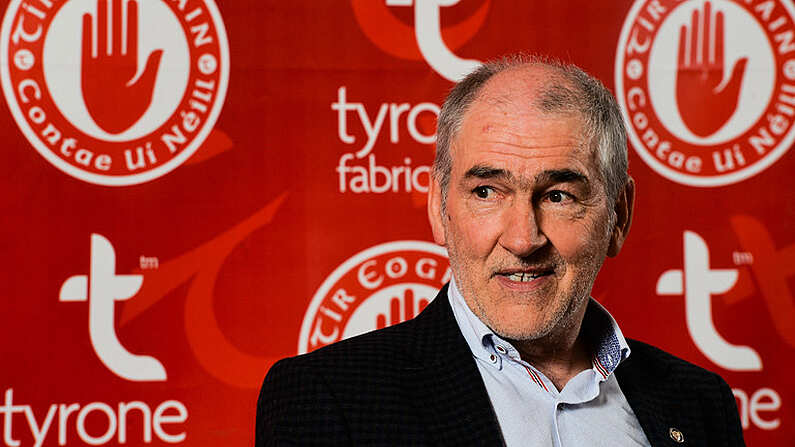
(527, 220)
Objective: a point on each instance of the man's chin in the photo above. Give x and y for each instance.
(521, 329)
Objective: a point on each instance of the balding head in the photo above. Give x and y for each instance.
(555, 89)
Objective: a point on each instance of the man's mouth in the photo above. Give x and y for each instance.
(526, 276)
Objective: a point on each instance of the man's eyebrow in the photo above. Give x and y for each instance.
(487, 172)
(562, 176)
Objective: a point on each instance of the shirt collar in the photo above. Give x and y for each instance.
(609, 346)
(476, 333)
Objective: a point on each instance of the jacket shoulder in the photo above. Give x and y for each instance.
(342, 391)
(661, 386)
(662, 361)
(657, 365)
(391, 346)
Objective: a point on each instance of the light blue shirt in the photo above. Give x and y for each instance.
(590, 410)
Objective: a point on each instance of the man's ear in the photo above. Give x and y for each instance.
(623, 208)
(435, 211)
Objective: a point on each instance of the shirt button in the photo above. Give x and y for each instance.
(501, 349)
(493, 358)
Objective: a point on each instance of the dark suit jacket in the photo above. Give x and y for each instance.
(417, 383)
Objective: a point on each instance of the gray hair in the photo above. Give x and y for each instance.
(577, 93)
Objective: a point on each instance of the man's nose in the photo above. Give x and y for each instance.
(521, 234)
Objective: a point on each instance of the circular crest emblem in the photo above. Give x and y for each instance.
(707, 88)
(376, 288)
(104, 97)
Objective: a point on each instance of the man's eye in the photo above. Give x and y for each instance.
(558, 196)
(483, 192)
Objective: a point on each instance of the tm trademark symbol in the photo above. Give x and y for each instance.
(148, 262)
(742, 258)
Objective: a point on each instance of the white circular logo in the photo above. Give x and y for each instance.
(707, 88)
(103, 97)
(376, 288)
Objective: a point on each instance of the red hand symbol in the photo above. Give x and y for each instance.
(703, 107)
(114, 101)
(393, 316)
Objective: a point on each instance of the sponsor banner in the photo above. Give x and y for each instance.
(195, 189)
(104, 99)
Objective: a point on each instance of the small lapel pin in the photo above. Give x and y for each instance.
(676, 435)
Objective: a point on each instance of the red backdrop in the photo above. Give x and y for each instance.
(240, 181)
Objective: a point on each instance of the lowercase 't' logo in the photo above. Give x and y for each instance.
(102, 287)
(426, 39)
(698, 282)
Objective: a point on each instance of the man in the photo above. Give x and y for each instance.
(530, 193)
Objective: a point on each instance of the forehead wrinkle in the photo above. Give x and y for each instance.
(489, 130)
(533, 154)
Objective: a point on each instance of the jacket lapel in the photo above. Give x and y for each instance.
(446, 383)
(657, 399)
